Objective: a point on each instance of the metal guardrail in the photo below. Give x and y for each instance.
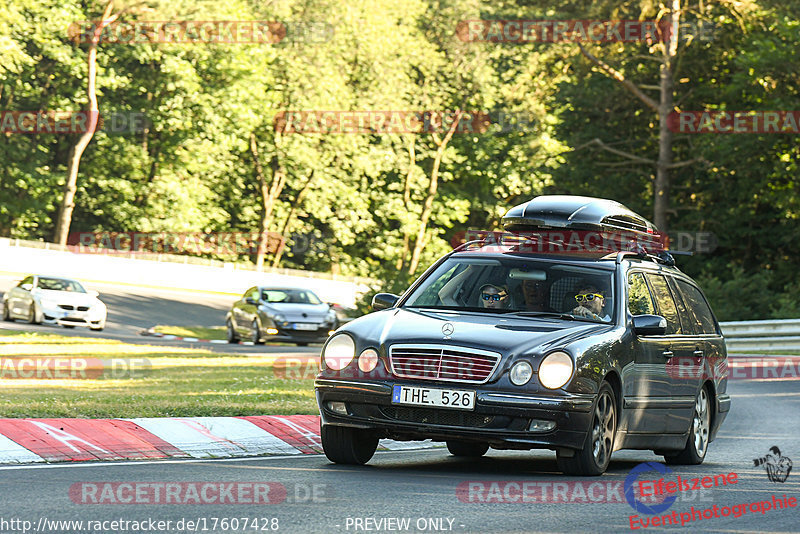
(779, 334)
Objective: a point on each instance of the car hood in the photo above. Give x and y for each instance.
(499, 333)
(67, 297)
(314, 313)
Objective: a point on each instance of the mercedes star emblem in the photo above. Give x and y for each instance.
(447, 329)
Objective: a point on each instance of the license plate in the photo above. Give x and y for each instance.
(458, 399)
(305, 326)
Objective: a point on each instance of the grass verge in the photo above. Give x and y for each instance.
(173, 381)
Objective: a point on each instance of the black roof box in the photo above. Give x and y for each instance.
(574, 213)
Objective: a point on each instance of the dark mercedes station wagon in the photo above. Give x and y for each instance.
(521, 343)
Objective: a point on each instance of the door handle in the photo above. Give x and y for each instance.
(668, 354)
(698, 353)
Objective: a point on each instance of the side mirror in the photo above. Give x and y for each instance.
(383, 301)
(649, 325)
(27, 287)
(251, 300)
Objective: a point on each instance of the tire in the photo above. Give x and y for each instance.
(467, 449)
(6, 314)
(32, 315)
(345, 445)
(255, 332)
(697, 445)
(230, 332)
(593, 458)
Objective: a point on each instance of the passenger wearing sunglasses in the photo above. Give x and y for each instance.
(494, 296)
(590, 303)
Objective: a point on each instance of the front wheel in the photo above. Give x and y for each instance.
(32, 315)
(697, 445)
(345, 445)
(230, 332)
(467, 449)
(256, 333)
(593, 458)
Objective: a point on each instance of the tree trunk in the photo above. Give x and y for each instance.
(412, 161)
(427, 207)
(297, 203)
(665, 107)
(64, 219)
(269, 193)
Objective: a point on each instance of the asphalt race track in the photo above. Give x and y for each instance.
(421, 486)
(133, 309)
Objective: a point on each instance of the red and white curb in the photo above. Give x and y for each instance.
(169, 337)
(75, 440)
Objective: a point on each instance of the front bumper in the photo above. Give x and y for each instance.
(500, 419)
(89, 319)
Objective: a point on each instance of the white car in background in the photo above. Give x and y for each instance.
(54, 300)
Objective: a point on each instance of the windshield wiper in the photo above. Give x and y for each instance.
(565, 316)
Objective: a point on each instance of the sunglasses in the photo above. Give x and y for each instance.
(588, 297)
(494, 298)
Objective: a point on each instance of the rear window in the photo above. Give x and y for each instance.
(699, 310)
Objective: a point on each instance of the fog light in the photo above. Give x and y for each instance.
(330, 332)
(272, 331)
(338, 407)
(540, 425)
(368, 360)
(521, 373)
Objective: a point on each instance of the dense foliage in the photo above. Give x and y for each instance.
(211, 158)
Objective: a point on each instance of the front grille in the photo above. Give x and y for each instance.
(443, 362)
(83, 308)
(66, 307)
(437, 417)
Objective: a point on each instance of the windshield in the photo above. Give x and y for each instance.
(60, 284)
(515, 285)
(290, 296)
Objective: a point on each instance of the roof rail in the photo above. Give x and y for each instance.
(463, 246)
(664, 257)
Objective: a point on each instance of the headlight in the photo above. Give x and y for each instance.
(521, 373)
(555, 370)
(368, 360)
(339, 352)
(278, 318)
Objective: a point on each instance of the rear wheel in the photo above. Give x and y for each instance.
(6, 313)
(593, 458)
(255, 331)
(345, 445)
(468, 449)
(230, 332)
(697, 445)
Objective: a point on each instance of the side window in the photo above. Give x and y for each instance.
(686, 317)
(28, 282)
(639, 299)
(249, 293)
(254, 294)
(666, 306)
(703, 317)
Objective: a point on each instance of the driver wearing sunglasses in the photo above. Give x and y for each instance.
(590, 303)
(494, 296)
